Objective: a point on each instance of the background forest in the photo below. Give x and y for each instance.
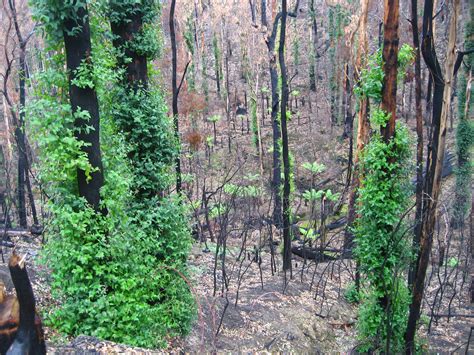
(228, 176)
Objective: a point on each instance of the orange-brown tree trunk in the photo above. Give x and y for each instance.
(390, 61)
(363, 127)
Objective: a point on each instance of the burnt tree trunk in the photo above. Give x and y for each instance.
(347, 104)
(312, 64)
(23, 167)
(174, 85)
(285, 147)
(29, 337)
(20, 140)
(77, 43)
(276, 129)
(252, 11)
(419, 132)
(436, 148)
(263, 14)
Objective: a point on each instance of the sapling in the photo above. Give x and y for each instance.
(214, 119)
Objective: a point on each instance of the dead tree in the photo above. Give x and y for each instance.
(276, 129)
(285, 147)
(18, 113)
(270, 40)
(419, 129)
(436, 148)
(174, 88)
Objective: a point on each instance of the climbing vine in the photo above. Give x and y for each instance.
(382, 246)
(114, 276)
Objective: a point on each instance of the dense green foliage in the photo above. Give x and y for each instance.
(371, 78)
(382, 246)
(117, 276)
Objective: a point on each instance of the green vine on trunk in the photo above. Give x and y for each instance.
(382, 245)
(116, 276)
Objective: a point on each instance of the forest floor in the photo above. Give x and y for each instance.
(297, 318)
(307, 314)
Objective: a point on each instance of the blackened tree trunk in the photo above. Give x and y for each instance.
(419, 132)
(348, 119)
(20, 139)
(285, 147)
(174, 85)
(263, 14)
(276, 130)
(77, 43)
(217, 65)
(20, 122)
(29, 338)
(252, 11)
(313, 55)
(432, 183)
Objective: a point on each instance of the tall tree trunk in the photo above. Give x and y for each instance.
(174, 85)
(263, 15)
(419, 133)
(432, 185)
(20, 138)
(314, 43)
(363, 129)
(252, 11)
(217, 65)
(463, 146)
(276, 129)
(285, 147)
(22, 166)
(390, 66)
(347, 104)
(77, 43)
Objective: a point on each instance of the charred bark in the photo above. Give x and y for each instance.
(174, 88)
(135, 63)
(436, 149)
(312, 65)
(285, 147)
(263, 15)
(77, 43)
(276, 129)
(419, 133)
(22, 333)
